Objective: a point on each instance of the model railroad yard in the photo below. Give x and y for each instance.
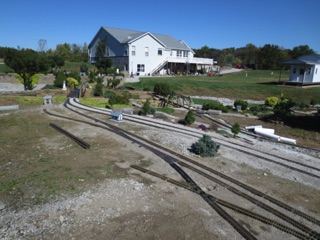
(125, 184)
(68, 172)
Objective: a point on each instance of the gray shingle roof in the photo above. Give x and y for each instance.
(306, 59)
(125, 36)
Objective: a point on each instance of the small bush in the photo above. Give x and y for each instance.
(271, 101)
(205, 147)
(244, 104)
(117, 99)
(215, 105)
(189, 118)
(163, 89)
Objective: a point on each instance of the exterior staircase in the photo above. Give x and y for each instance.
(157, 69)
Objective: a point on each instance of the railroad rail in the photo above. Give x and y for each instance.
(129, 117)
(195, 133)
(125, 134)
(231, 206)
(78, 140)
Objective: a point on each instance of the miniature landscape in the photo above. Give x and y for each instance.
(51, 188)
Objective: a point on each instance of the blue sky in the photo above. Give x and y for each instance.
(217, 24)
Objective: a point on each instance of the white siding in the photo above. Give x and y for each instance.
(305, 74)
(153, 59)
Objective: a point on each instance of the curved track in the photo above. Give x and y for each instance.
(306, 169)
(170, 160)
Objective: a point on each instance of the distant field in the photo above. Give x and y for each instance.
(255, 85)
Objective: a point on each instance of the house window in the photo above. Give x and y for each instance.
(133, 52)
(159, 52)
(107, 51)
(179, 53)
(140, 67)
(126, 53)
(185, 53)
(146, 51)
(308, 71)
(294, 70)
(301, 71)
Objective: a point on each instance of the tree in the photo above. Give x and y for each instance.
(146, 108)
(235, 129)
(60, 77)
(56, 62)
(301, 50)
(84, 67)
(104, 63)
(205, 147)
(98, 90)
(101, 49)
(26, 63)
(189, 118)
(270, 57)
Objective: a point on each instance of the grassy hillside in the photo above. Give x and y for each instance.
(256, 85)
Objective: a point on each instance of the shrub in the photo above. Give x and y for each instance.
(146, 107)
(216, 105)
(108, 94)
(283, 109)
(60, 78)
(313, 102)
(117, 99)
(205, 147)
(271, 101)
(72, 81)
(98, 90)
(242, 103)
(189, 118)
(163, 89)
(84, 67)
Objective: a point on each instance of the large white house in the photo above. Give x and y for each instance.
(145, 53)
(304, 69)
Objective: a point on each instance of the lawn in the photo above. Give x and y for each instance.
(255, 85)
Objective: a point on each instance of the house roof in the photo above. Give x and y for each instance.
(127, 36)
(116, 113)
(306, 59)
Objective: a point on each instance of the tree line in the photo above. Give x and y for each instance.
(268, 57)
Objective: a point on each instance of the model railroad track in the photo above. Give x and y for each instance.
(78, 140)
(132, 119)
(231, 206)
(238, 147)
(236, 225)
(125, 134)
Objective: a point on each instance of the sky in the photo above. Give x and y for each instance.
(216, 24)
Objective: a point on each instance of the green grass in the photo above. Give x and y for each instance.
(257, 85)
(4, 68)
(165, 110)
